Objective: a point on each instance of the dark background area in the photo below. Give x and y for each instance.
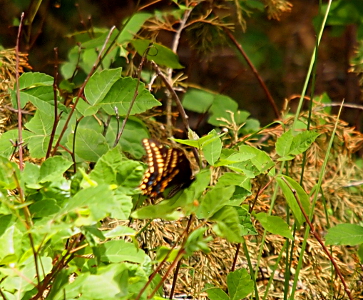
(280, 50)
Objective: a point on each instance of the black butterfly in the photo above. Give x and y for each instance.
(166, 167)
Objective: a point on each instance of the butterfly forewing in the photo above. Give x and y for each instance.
(166, 167)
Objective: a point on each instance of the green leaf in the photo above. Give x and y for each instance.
(118, 231)
(30, 175)
(9, 174)
(217, 294)
(11, 241)
(134, 131)
(287, 188)
(119, 95)
(197, 242)
(261, 160)
(212, 149)
(198, 100)
(118, 250)
(41, 123)
(100, 84)
(288, 146)
(222, 108)
(274, 225)
(8, 138)
(345, 234)
(95, 198)
(133, 25)
(239, 284)
(121, 205)
(53, 169)
(114, 168)
(160, 54)
(227, 224)
(90, 145)
(29, 79)
(200, 142)
(44, 208)
(245, 221)
(214, 200)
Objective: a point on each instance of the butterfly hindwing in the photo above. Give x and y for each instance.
(166, 167)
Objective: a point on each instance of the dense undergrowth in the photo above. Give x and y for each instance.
(272, 212)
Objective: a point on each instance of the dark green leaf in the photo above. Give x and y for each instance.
(158, 53)
(345, 234)
(239, 284)
(227, 224)
(53, 169)
(287, 188)
(90, 145)
(288, 145)
(274, 225)
(119, 250)
(133, 25)
(214, 199)
(44, 208)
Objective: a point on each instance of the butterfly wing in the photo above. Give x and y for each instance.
(150, 184)
(166, 167)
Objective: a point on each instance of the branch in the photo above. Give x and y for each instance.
(254, 70)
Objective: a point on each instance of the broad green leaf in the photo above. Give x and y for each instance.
(53, 169)
(100, 84)
(121, 94)
(160, 54)
(96, 198)
(8, 138)
(300, 193)
(118, 250)
(38, 145)
(100, 39)
(165, 209)
(212, 150)
(121, 205)
(118, 231)
(44, 208)
(32, 79)
(21, 284)
(134, 131)
(260, 159)
(227, 224)
(9, 174)
(41, 123)
(233, 179)
(275, 225)
(239, 284)
(198, 100)
(345, 234)
(217, 294)
(133, 25)
(214, 200)
(114, 168)
(222, 108)
(245, 221)
(11, 241)
(290, 198)
(90, 145)
(288, 146)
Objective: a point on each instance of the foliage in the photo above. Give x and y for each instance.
(82, 169)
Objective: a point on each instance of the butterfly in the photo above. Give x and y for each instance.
(166, 167)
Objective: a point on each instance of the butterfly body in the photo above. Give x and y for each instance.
(166, 167)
